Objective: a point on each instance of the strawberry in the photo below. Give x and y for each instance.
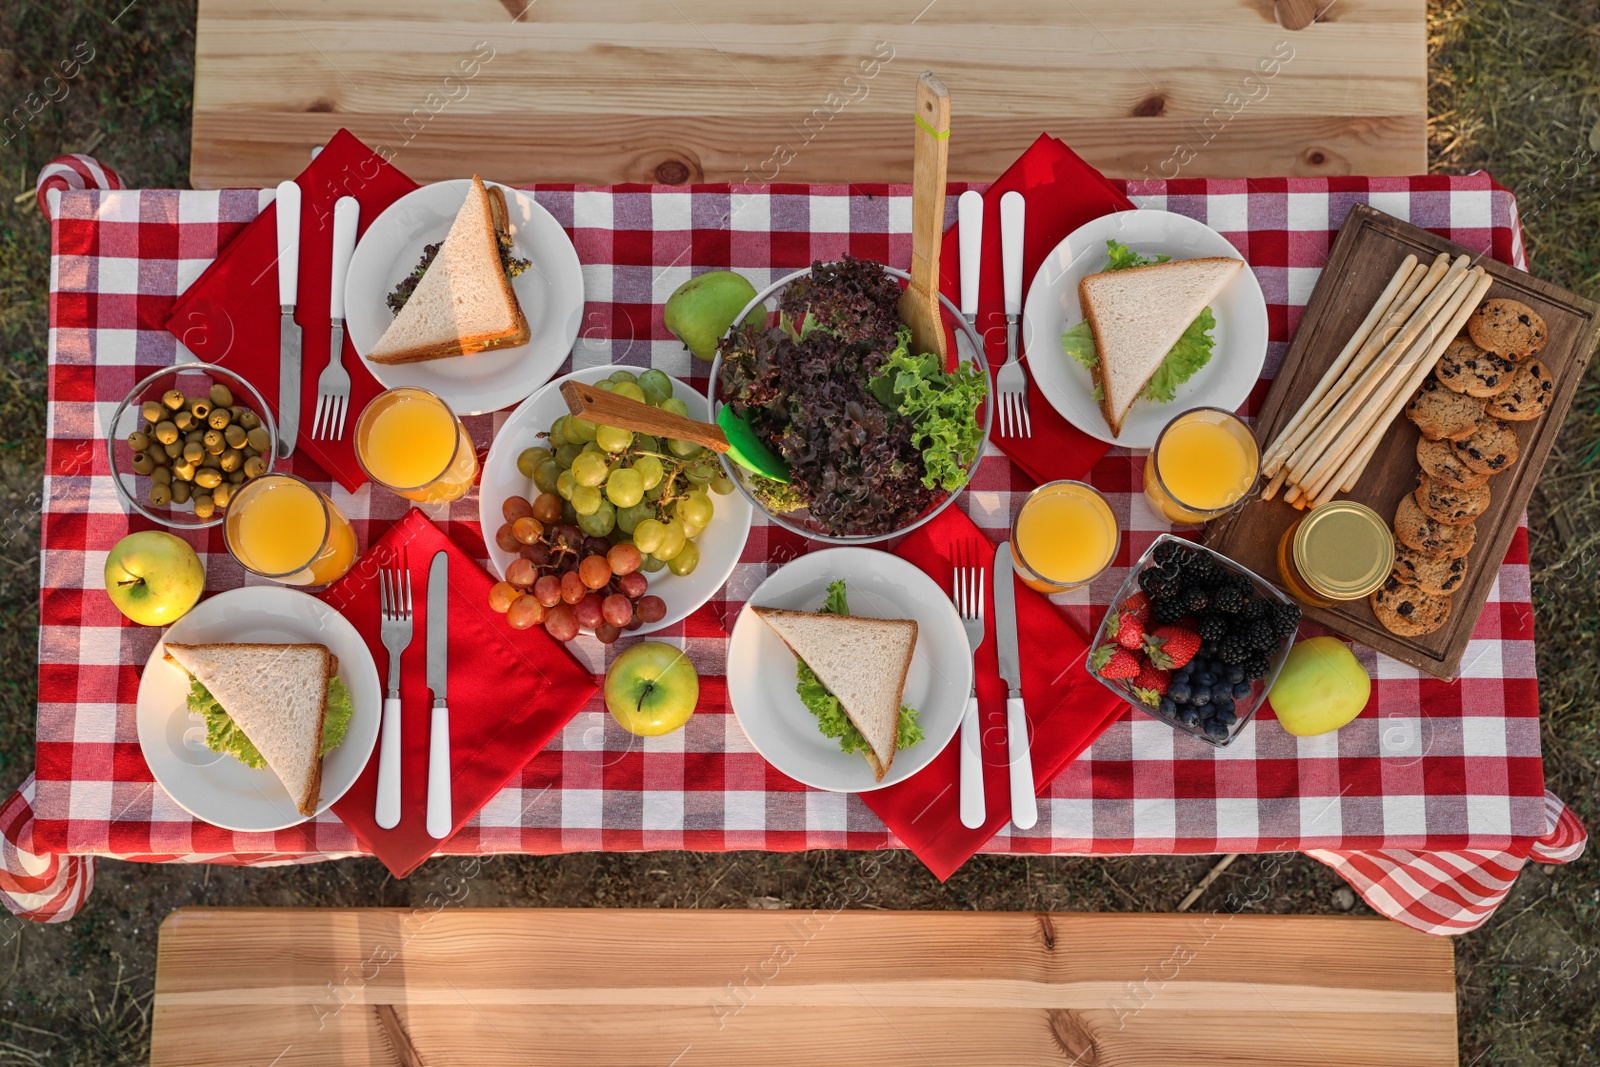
(1113, 661)
(1139, 605)
(1127, 630)
(1151, 683)
(1170, 647)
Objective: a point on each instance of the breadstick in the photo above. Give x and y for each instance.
(1376, 342)
(1385, 361)
(1351, 473)
(1273, 486)
(1378, 396)
(1404, 277)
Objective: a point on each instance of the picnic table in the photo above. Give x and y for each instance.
(1428, 804)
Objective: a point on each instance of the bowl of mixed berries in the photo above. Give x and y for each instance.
(1194, 639)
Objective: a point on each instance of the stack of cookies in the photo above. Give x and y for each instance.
(1486, 380)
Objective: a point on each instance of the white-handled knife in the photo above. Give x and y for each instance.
(440, 813)
(289, 343)
(969, 221)
(1024, 808)
(1012, 215)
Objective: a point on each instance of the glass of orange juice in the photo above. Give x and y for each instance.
(1205, 461)
(411, 443)
(1064, 536)
(283, 528)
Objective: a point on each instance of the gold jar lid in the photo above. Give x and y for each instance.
(1343, 550)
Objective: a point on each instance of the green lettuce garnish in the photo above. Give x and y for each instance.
(223, 734)
(1192, 351)
(941, 406)
(831, 719)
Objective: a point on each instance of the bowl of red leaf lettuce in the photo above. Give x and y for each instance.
(878, 438)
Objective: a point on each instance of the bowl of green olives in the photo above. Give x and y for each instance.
(183, 441)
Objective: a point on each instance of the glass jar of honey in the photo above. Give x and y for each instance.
(1338, 551)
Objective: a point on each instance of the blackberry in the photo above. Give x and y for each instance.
(1285, 620)
(1168, 610)
(1156, 585)
(1257, 666)
(1168, 551)
(1212, 628)
(1227, 598)
(1204, 569)
(1234, 649)
(1195, 598)
(1261, 635)
(1255, 608)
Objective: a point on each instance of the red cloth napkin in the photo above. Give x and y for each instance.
(510, 692)
(1067, 709)
(230, 315)
(1063, 192)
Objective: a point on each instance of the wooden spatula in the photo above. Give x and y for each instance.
(609, 409)
(919, 304)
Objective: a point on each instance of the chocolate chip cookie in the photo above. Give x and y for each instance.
(1407, 610)
(1416, 530)
(1440, 462)
(1440, 413)
(1528, 396)
(1439, 575)
(1492, 449)
(1449, 505)
(1507, 328)
(1466, 368)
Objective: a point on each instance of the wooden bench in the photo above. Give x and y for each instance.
(748, 90)
(489, 987)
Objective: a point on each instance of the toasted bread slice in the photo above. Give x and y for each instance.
(464, 302)
(862, 661)
(1137, 315)
(276, 694)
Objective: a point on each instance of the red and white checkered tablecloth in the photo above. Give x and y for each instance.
(1429, 803)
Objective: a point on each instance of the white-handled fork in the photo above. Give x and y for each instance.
(394, 600)
(333, 387)
(1011, 384)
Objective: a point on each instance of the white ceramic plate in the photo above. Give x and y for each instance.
(720, 543)
(550, 292)
(217, 787)
(761, 669)
(1052, 309)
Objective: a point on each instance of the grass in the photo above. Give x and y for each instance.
(1514, 89)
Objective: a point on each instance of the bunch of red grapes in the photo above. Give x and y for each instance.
(567, 580)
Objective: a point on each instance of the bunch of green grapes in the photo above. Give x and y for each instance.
(627, 487)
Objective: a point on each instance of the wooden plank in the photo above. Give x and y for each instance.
(503, 986)
(1369, 248)
(742, 90)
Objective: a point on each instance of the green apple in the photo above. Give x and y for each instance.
(1322, 686)
(652, 689)
(700, 310)
(153, 577)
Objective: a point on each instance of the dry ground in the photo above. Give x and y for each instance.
(1514, 91)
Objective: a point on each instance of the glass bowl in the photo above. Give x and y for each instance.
(1245, 707)
(801, 522)
(192, 379)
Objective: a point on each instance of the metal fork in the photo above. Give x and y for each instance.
(967, 595)
(333, 387)
(1010, 381)
(394, 602)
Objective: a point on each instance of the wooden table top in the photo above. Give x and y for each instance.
(679, 91)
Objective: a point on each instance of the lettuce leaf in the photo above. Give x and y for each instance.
(223, 734)
(831, 719)
(942, 407)
(1192, 351)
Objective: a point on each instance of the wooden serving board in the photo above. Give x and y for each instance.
(677, 91)
(1369, 248)
(489, 987)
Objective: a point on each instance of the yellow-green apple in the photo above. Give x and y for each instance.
(700, 310)
(153, 577)
(1322, 686)
(652, 689)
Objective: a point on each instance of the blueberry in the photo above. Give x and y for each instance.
(1220, 692)
(1226, 718)
(1241, 691)
(1201, 698)
(1225, 704)
(1205, 679)
(1179, 692)
(1235, 674)
(1189, 717)
(1207, 712)
(1167, 707)
(1216, 730)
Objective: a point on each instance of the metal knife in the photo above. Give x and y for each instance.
(969, 222)
(289, 330)
(440, 813)
(1024, 807)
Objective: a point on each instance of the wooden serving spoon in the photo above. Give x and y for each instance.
(919, 304)
(733, 436)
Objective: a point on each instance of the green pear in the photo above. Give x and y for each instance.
(700, 310)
